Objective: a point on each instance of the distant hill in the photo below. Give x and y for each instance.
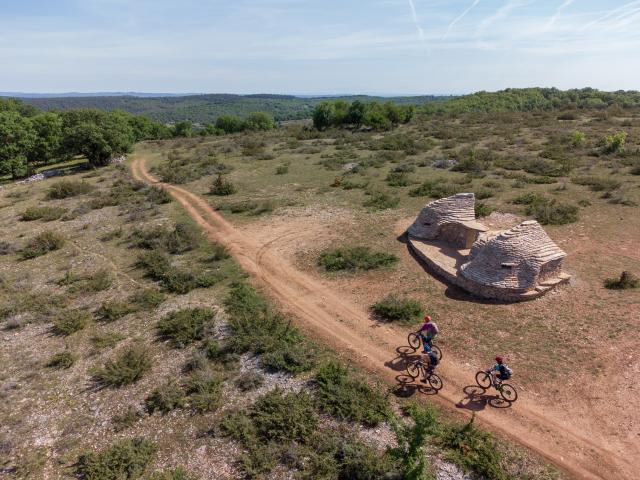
(206, 108)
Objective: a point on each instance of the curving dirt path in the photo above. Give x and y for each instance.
(348, 329)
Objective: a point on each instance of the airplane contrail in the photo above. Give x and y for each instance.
(415, 19)
(620, 11)
(558, 12)
(460, 17)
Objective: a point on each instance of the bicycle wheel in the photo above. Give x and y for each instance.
(435, 349)
(435, 381)
(508, 393)
(413, 370)
(483, 379)
(414, 340)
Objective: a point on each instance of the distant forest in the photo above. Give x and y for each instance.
(204, 109)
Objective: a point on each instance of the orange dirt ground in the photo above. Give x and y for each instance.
(584, 449)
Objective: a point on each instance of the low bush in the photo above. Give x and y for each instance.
(113, 310)
(398, 179)
(183, 238)
(48, 214)
(281, 417)
(158, 267)
(347, 398)
(158, 196)
(282, 169)
(615, 143)
(62, 360)
(183, 327)
(552, 212)
(204, 391)
(42, 244)
(394, 308)
(528, 199)
(96, 282)
(222, 187)
(70, 321)
(148, 298)
(627, 280)
(483, 193)
(68, 188)
(127, 368)
(165, 398)
(178, 473)
(382, 201)
(106, 340)
(355, 258)
(597, 184)
(124, 460)
(473, 450)
(249, 381)
(218, 252)
(481, 209)
(250, 207)
(436, 189)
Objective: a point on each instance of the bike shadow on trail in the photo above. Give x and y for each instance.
(407, 388)
(476, 399)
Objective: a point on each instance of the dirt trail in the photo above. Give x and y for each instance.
(348, 329)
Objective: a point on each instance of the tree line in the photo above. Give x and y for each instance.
(379, 116)
(30, 138)
(528, 99)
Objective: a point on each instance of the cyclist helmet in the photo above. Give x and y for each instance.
(499, 359)
(427, 318)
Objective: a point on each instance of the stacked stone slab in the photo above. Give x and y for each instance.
(451, 219)
(517, 259)
(516, 264)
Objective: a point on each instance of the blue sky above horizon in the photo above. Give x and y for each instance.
(318, 47)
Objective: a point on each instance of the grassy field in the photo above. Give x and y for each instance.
(130, 350)
(366, 187)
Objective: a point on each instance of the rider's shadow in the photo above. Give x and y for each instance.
(477, 399)
(404, 358)
(406, 387)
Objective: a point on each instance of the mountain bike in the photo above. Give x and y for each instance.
(507, 391)
(414, 369)
(415, 342)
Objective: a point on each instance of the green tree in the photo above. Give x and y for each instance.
(230, 124)
(17, 138)
(183, 129)
(260, 121)
(323, 115)
(48, 138)
(340, 113)
(392, 112)
(356, 113)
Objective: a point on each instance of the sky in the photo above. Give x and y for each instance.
(317, 47)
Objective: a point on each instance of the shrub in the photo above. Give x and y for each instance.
(47, 214)
(165, 398)
(183, 238)
(62, 360)
(250, 207)
(283, 417)
(97, 282)
(474, 450)
(126, 369)
(127, 419)
(158, 196)
(183, 327)
(348, 398)
(282, 169)
(395, 308)
(615, 143)
(436, 189)
(68, 188)
(222, 187)
(528, 199)
(249, 381)
(597, 184)
(355, 258)
(218, 252)
(398, 179)
(113, 310)
(482, 209)
(382, 201)
(42, 244)
(158, 266)
(70, 321)
(204, 391)
(552, 212)
(483, 193)
(148, 298)
(627, 280)
(123, 460)
(106, 340)
(178, 473)
(577, 138)
(244, 301)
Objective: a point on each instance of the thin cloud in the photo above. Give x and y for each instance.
(415, 19)
(619, 13)
(566, 4)
(460, 17)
